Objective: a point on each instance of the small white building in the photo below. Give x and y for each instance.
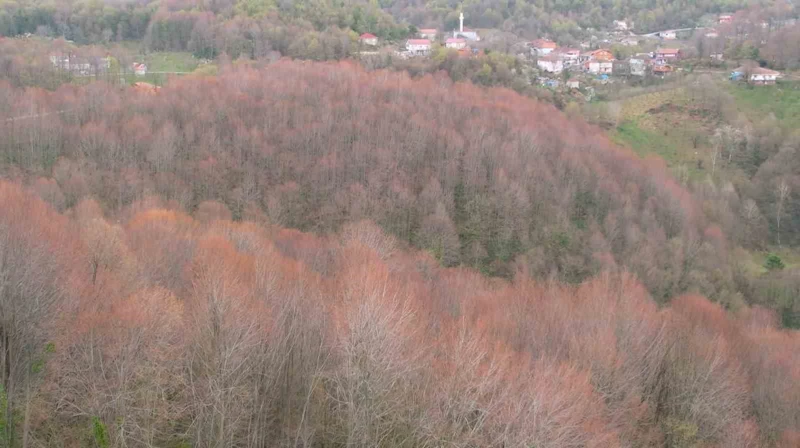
(668, 35)
(418, 46)
(760, 75)
(428, 33)
(570, 56)
(368, 39)
(574, 84)
(551, 63)
(455, 43)
(139, 69)
(621, 25)
(542, 47)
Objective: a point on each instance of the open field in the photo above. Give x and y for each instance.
(782, 100)
(171, 62)
(668, 124)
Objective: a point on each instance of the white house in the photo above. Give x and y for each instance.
(418, 46)
(664, 55)
(139, 69)
(760, 75)
(455, 43)
(668, 35)
(621, 25)
(574, 84)
(428, 33)
(712, 34)
(369, 39)
(542, 47)
(599, 66)
(570, 56)
(551, 63)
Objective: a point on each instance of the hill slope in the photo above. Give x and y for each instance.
(480, 177)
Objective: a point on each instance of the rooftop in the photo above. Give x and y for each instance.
(543, 43)
(758, 71)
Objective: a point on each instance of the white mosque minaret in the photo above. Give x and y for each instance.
(464, 33)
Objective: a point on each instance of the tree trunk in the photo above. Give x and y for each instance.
(7, 385)
(26, 424)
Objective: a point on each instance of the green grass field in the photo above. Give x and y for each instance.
(643, 141)
(782, 99)
(171, 62)
(667, 124)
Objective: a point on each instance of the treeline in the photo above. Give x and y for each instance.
(151, 327)
(238, 28)
(565, 20)
(478, 177)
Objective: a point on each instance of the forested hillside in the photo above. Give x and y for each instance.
(484, 178)
(151, 327)
(248, 28)
(563, 19)
(316, 28)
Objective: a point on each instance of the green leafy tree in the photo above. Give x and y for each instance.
(773, 263)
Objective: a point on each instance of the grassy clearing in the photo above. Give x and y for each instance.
(667, 124)
(782, 100)
(171, 62)
(643, 141)
(789, 256)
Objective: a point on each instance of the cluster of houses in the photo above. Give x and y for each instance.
(551, 58)
(90, 66)
(84, 66)
(422, 44)
(460, 40)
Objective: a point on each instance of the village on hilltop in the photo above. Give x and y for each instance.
(616, 55)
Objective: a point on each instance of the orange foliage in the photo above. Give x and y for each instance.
(355, 338)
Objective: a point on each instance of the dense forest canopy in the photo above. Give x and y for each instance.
(373, 254)
(485, 178)
(561, 18)
(205, 27)
(151, 327)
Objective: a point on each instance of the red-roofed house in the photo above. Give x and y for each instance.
(418, 46)
(455, 43)
(542, 47)
(668, 54)
(368, 39)
(662, 69)
(602, 55)
(726, 18)
(139, 69)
